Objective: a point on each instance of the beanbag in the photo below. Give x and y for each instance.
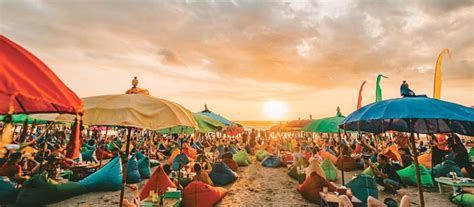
(231, 164)
(425, 160)
(463, 199)
(139, 155)
(154, 163)
(327, 155)
(180, 161)
(221, 150)
(271, 161)
(293, 172)
(314, 166)
(133, 175)
(471, 153)
(222, 175)
(261, 154)
(329, 170)
(443, 169)
(233, 149)
(173, 155)
(286, 158)
(408, 176)
(199, 194)
(313, 185)
(368, 171)
(159, 181)
(249, 149)
(392, 153)
(242, 158)
(39, 191)
(102, 154)
(108, 178)
(8, 191)
(346, 163)
(144, 167)
(190, 152)
(357, 149)
(363, 186)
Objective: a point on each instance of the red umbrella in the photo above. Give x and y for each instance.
(29, 86)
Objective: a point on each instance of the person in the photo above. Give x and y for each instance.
(12, 168)
(385, 175)
(461, 156)
(405, 155)
(422, 148)
(227, 154)
(201, 175)
(373, 202)
(405, 90)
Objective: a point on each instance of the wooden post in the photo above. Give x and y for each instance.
(341, 155)
(124, 174)
(417, 167)
(103, 148)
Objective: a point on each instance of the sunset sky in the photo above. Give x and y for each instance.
(238, 55)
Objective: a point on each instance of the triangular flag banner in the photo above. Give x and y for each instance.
(359, 100)
(437, 77)
(378, 89)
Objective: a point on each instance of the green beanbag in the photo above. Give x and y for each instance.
(8, 191)
(154, 163)
(444, 168)
(293, 172)
(363, 186)
(463, 199)
(368, 171)
(144, 167)
(242, 158)
(329, 169)
(471, 153)
(261, 154)
(39, 191)
(408, 176)
(108, 178)
(139, 155)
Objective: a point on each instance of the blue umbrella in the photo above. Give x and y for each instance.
(413, 114)
(215, 116)
(427, 115)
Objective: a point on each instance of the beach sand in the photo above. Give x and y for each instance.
(260, 186)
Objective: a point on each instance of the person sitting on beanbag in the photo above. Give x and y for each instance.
(201, 175)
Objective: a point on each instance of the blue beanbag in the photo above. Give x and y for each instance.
(8, 191)
(363, 186)
(222, 175)
(179, 161)
(233, 149)
(89, 155)
(144, 167)
(133, 175)
(271, 161)
(108, 178)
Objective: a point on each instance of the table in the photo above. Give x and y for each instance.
(455, 184)
(167, 202)
(332, 200)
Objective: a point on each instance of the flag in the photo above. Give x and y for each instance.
(437, 76)
(378, 89)
(72, 148)
(359, 100)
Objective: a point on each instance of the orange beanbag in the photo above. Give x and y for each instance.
(392, 153)
(199, 194)
(425, 160)
(231, 164)
(312, 186)
(327, 155)
(159, 181)
(173, 155)
(102, 154)
(346, 163)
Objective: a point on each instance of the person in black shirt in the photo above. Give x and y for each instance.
(406, 157)
(386, 176)
(461, 156)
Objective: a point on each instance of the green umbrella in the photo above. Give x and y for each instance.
(20, 118)
(205, 124)
(325, 125)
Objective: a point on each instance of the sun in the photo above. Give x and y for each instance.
(274, 109)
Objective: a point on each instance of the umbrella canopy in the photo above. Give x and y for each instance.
(298, 124)
(325, 125)
(136, 110)
(29, 86)
(215, 116)
(205, 124)
(21, 118)
(429, 116)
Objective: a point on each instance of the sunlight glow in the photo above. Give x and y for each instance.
(274, 109)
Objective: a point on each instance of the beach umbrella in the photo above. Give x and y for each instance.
(28, 86)
(205, 124)
(325, 125)
(135, 111)
(413, 115)
(21, 118)
(298, 124)
(215, 116)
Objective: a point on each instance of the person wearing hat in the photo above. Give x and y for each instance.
(12, 168)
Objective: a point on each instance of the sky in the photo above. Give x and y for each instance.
(236, 56)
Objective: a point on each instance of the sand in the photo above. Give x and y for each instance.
(260, 186)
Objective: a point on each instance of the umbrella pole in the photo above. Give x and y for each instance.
(124, 174)
(341, 155)
(417, 167)
(103, 147)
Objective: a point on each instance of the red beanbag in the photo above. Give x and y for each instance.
(199, 194)
(313, 185)
(231, 164)
(99, 152)
(158, 181)
(285, 158)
